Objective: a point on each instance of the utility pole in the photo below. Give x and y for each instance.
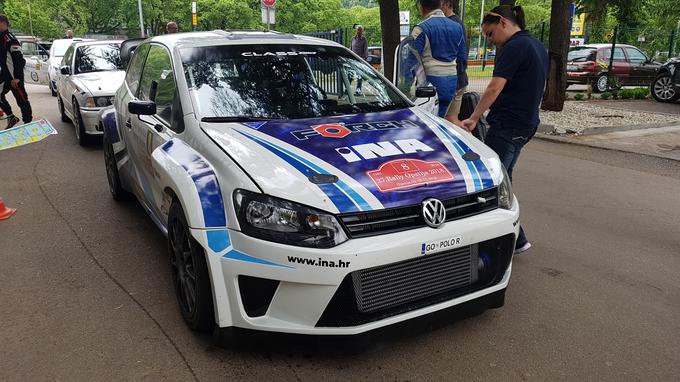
(141, 19)
(30, 19)
(479, 39)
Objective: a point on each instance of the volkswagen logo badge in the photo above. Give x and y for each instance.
(434, 212)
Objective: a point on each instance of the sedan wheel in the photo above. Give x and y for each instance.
(190, 273)
(663, 89)
(78, 125)
(601, 83)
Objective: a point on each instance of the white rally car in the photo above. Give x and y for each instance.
(293, 205)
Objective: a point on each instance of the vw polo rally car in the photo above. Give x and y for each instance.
(293, 205)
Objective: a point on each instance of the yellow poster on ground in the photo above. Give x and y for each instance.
(26, 133)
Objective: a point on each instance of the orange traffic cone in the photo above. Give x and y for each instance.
(5, 212)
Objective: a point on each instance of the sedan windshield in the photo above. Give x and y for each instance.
(97, 58)
(283, 82)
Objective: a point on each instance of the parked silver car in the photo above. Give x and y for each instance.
(91, 72)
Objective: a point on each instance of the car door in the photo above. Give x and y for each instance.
(643, 70)
(35, 70)
(65, 86)
(621, 66)
(409, 75)
(157, 84)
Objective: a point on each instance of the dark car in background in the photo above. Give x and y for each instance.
(666, 86)
(588, 64)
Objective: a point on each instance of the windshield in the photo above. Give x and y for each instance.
(582, 54)
(60, 47)
(283, 82)
(96, 58)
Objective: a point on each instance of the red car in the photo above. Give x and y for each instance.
(589, 63)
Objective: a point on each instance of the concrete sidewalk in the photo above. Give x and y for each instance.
(661, 142)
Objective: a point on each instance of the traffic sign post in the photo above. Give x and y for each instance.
(268, 12)
(194, 18)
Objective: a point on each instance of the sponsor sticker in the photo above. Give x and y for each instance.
(441, 245)
(402, 174)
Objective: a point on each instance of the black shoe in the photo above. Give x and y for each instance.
(11, 121)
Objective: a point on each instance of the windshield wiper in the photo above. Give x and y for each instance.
(235, 118)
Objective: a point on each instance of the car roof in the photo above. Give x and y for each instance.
(78, 44)
(236, 37)
(599, 46)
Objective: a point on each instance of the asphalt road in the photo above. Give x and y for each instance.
(85, 291)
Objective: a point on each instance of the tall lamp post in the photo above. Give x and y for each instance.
(141, 19)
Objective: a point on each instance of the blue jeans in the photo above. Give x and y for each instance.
(508, 146)
(446, 90)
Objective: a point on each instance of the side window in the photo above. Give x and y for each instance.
(68, 57)
(29, 49)
(618, 54)
(636, 56)
(158, 69)
(135, 68)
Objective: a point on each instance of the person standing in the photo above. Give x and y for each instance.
(515, 91)
(461, 66)
(12, 74)
(68, 34)
(171, 27)
(440, 44)
(360, 47)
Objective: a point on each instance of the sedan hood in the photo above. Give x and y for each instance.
(101, 83)
(360, 162)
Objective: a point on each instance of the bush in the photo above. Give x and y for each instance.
(606, 95)
(627, 93)
(641, 93)
(579, 96)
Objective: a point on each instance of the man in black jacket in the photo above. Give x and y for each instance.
(12, 66)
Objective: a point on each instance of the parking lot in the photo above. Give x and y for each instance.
(86, 291)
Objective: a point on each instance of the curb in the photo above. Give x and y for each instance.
(570, 141)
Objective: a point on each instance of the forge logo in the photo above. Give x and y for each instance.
(341, 130)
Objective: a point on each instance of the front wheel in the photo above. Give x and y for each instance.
(663, 89)
(115, 186)
(79, 125)
(189, 273)
(62, 111)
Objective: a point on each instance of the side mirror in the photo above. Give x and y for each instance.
(426, 92)
(142, 107)
(65, 70)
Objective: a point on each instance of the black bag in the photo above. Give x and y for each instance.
(468, 105)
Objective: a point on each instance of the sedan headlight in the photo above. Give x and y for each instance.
(505, 195)
(282, 221)
(98, 101)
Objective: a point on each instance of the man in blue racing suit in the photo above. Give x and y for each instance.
(440, 43)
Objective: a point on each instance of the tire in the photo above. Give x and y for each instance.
(82, 138)
(663, 90)
(64, 117)
(53, 90)
(194, 297)
(600, 84)
(115, 186)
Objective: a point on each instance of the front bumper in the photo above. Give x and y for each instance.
(90, 118)
(309, 287)
(580, 77)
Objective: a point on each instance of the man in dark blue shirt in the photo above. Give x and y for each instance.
(515, 91)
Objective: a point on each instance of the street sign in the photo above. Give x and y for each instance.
(268, 15)
(194, 20)
(269, 3)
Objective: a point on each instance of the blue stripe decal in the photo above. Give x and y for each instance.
(344, 198)
(470, 166)
(236, 255)
(204, 179)
(218, 240)
(482, 171)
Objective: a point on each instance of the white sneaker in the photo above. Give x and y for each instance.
(523, 248)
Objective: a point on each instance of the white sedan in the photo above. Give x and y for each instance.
(291, 204)
(91, 72)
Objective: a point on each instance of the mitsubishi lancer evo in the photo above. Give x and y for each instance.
(293, 203)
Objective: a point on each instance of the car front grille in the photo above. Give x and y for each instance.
(395, 284)
(390, 220)
(376, 293)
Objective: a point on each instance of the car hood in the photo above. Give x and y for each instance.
(360, 162)
(105, 83)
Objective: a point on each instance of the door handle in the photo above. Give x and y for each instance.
(128, 124)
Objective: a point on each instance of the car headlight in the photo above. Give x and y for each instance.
(505, 196)
(273, 219)
(98, 101)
